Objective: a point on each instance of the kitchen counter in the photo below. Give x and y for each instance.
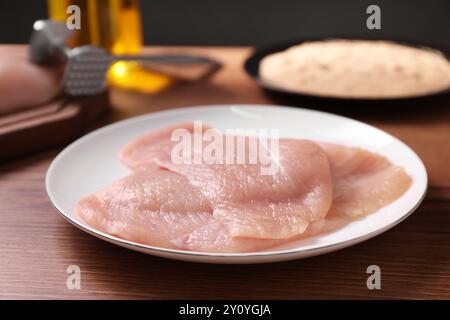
(37, 244)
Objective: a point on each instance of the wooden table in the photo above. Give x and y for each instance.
(37, 245)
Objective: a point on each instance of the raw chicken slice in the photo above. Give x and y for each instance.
(249, 203)
(142, 152)
(276, 206)
(363, 181)
(152, 207)
(161, 208)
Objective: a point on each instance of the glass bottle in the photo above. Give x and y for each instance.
(116, 26)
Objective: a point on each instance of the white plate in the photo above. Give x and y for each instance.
(90, 163)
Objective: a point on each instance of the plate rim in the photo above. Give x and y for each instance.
(245, 255)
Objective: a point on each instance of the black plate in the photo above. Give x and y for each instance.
(336, 103)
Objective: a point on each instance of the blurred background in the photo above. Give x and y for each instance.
(256, 22)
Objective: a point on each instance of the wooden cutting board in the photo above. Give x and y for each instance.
(52, 124)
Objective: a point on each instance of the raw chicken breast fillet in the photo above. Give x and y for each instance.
(152, 207)
(317, 188)
(142, 152)
(161, 208)
(363, 181)
(249, 203)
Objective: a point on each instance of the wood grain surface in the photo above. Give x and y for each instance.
(37, 244)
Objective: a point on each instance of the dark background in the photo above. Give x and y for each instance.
(255, 22)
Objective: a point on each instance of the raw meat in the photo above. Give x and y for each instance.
(152, 207)
(24, 84)
(161, 208)
(142, 152)
(251, 204)
(210, 207)
(363, 181)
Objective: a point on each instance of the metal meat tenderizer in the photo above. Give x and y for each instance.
(86, 66)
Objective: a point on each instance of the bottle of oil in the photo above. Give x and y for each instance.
(116, 26)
